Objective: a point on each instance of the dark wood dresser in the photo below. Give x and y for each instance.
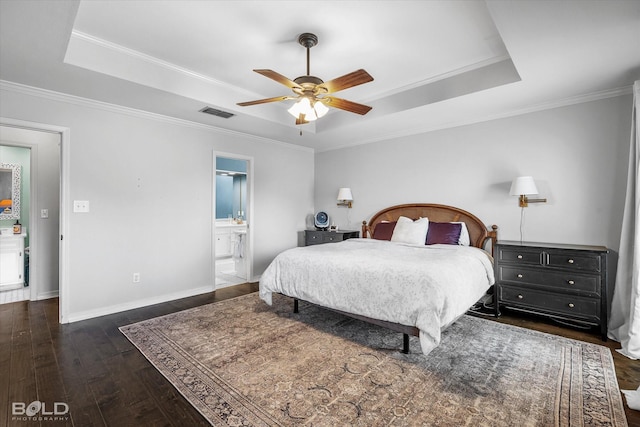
(569, 283)
(316, 237)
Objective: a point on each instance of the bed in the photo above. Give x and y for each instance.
(390, 276)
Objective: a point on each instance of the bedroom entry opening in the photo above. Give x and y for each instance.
(15, 176)
(232, 220)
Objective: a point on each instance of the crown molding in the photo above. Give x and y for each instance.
(155, 61)
(105, 106)
(564, 102)
(439, 77)
(90, 103)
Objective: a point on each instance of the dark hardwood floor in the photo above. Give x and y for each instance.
(91, 367)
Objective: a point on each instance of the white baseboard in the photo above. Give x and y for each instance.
(14, 295)
(103, 311)
(47, 295)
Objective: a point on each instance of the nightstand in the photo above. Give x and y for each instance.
(568, 283)
(316, 237)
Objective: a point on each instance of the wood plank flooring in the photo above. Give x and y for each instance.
(93, 368)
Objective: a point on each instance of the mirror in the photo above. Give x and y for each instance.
(231, 188)
(9, 191)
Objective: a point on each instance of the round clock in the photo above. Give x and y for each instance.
(321, 220)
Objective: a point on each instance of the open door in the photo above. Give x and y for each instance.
(232, 219)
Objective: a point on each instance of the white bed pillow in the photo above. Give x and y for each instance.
(411, 232)
(464, 238)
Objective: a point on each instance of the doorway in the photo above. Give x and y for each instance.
(15, 201)
(48, 187)
(232, 220)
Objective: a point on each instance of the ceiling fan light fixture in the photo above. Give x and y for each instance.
(310, 104)
(320, 108)
(303, 106)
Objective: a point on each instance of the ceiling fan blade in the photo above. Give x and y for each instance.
(343, 104)
(300, 120)
(348, 80)
(279, 78)
(264, 101)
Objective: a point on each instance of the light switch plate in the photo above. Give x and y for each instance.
(81, 206)
(44, 213)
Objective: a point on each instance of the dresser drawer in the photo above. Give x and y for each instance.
(332, 237)
(574, 261)
(572, 306)
(316, 237)
(313, 237)
(521, 256)
(563, 281)
(558, 280)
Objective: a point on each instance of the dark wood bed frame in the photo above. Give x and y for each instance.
(479, 235)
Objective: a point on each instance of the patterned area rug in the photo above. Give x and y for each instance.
(243, 363)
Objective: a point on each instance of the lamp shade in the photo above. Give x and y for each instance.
(523, 185)
(345, 194)
(303, 106)
(320, 108)
(311, 111)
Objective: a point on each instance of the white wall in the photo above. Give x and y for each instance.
(150, 185)
(577, 154)
(149, 182)
(45, 170)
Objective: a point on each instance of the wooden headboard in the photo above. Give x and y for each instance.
(478, 232)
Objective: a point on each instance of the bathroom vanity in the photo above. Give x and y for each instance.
(12, 260)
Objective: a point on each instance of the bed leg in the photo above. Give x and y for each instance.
(496, 303)
(295, 305)
(405, 343)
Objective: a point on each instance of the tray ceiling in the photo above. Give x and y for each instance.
(436, 64)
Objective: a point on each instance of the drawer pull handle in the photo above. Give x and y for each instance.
(520, 297)
(571, 282)
(519, 256)
(519, 276)
(570, 261)
(571, 305)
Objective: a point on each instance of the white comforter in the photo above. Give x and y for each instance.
(428, 287)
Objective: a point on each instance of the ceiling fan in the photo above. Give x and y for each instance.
(310, 91)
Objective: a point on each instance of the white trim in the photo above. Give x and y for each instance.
(250, 211)
(580, 99)
(153, 60)
(46, 295)
(65, 253)
(63, 256)
(103, 311)
(85, 102)
(34, 244)
(92, 103)
(439, 77)
(33, 224)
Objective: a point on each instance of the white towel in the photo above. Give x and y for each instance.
(633, 398)
(238, 246)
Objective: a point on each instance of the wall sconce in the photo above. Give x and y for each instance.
(345, 198)
(523, 186)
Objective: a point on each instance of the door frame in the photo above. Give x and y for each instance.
(250, 211)
(63, 226)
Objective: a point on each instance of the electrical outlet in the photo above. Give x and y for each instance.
(136, 277)
(81, 206)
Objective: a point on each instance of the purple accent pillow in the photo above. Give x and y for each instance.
(447, 233)
(384, 230)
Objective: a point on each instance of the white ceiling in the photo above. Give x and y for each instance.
(436, 64)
